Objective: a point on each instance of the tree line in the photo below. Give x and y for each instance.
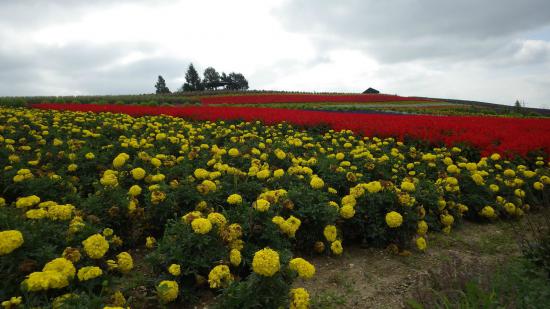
(212, 80)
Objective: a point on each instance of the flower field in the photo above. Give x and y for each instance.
(106, 206)
(306, 98)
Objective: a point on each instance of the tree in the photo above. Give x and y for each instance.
(211, 78)
(236, 81)
(192, 80)
(517, 106)
(161, 86)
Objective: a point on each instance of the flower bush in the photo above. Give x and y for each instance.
(88, 200)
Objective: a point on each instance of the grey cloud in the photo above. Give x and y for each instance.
(403, 30)
(77, 67)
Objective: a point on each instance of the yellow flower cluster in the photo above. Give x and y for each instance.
(89, 272)
(219, 277)
(266, 262)
(304, 268)
(167, 291)
(299, 299)
(394, 219)
(9, 241)
(201, 225)
(96, 246)
(289, 226)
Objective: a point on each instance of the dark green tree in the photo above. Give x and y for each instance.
(161, 86)
(192, 80)
(237, 81)
(211, 78)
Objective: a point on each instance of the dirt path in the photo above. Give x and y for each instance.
(374, 278)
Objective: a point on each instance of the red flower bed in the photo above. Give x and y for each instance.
(305, 98)
(489, 134)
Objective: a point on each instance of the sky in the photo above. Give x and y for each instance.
(487, 50)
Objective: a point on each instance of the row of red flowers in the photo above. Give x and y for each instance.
(489, 134)
(305, 98)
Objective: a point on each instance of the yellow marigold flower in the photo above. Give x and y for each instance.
(27, 201)
(201, 225)
(330, 233)
(261, 205)
(167, 291)
(235, 257)
(510, 208)
(36, 214)
(453, 169)
(519, 193)
(407, 186)
(61, 265)
(12, 302)
(537, 186)
(89, 272)
(447, 220)
(374, 186)
(278, 173)
(89, 156)
(263, 174)
(72, 167)
(71, 254)
(234, 199)
(421, 243)
(234, 152)
(219, 276)
(299, 299)
(217, 218)
(2, 202)
(488, 212)
(347, 211)
(60, 212)
(120, 160)
(44, 280)
(422, 227)
(96, 246)
(281, 155)
(156, 162)
(174, 270)
(495, 157)
(138, 173)
(509, 173)
(109, 179)
(478, 179)
(316, 182)
(10, 240)
(494, 188)
(304, 268)
(336, 247)
(266, 262)
(394, 219)
(134, 190)
(349, 200)
(125, 262)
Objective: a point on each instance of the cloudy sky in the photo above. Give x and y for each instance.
(488, 50)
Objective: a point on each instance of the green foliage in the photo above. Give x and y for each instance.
(160, 86)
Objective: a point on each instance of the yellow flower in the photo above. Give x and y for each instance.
(89, 156)
(422, 228)
(263, 174)
(219, 276)
(12, 302)
(509, 173)
(138, 173)
(156, 162)
(36, 214)
(96, 246)
(89, 272)
(304, 268)
(150, 242)
(421, 243)
(234, 152)
(167, 291)
(447, 220)
(217, 218)
(495, 157)
(488, 212)
(330, 233)
(336, 247)
(2, 202)
(537, 186)
(394, 219)
(347, 211)
(134, 190)
(279, 173)
(174, 270)
(234, 199)
(201, 225)
(62, 266)
(235, 257)
(261, 205)
(453, 169)
(27, 201)
(407, 186)
(125, 262)
(266, 262)
(60, 212)
(10, 240)
(299, 299)
(44, 280)
(120, 160)
(316, 182)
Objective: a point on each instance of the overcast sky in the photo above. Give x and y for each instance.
(488, 50)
